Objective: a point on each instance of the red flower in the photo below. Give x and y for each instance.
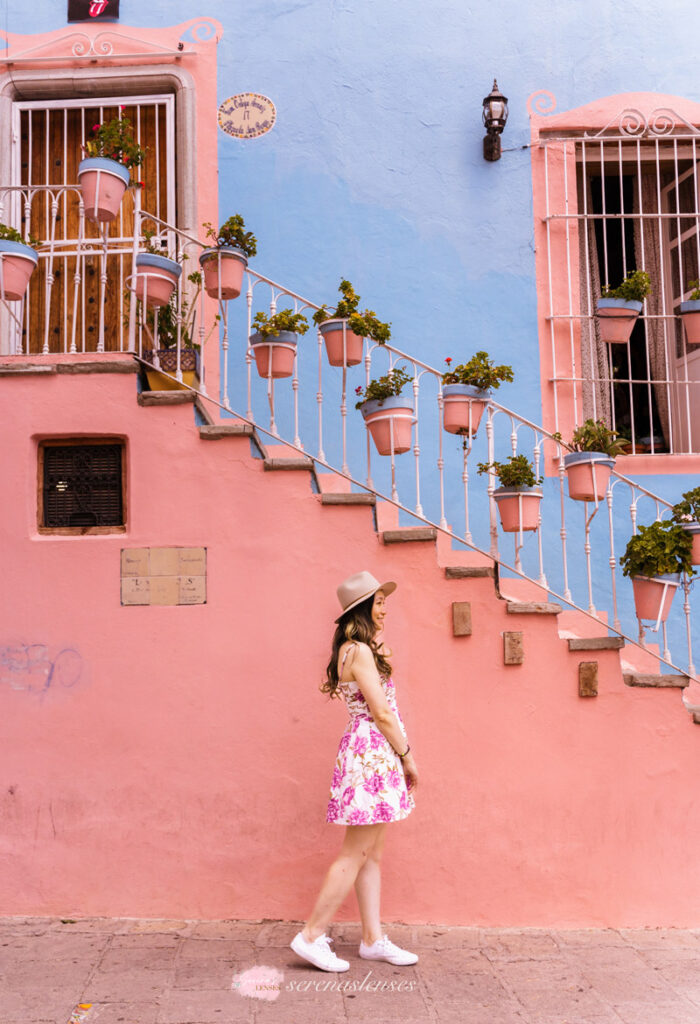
(358, 390)
(448, 360)
(95, 127)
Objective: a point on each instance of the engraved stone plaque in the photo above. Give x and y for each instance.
(163, 576)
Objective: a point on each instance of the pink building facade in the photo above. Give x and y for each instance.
(167, 752)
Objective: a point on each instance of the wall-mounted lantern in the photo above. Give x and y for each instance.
(495, 115)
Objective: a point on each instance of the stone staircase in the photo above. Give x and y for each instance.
(282, 458)
(524, 603)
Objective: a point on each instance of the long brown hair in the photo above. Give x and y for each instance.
(355, 624)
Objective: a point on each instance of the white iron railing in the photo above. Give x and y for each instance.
(574, 553)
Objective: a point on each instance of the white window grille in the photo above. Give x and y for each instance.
(47, 136)
(622, 199)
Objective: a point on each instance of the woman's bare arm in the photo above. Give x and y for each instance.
(367, 677)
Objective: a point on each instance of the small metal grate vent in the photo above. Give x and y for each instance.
(83, 485)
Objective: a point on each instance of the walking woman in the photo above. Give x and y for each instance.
(374, 778)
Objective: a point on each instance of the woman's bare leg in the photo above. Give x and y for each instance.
(367, 889)
(358, 841)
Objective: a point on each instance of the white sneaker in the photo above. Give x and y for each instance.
(385, 949)
(318, 953)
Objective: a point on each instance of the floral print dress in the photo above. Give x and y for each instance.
(368, 784)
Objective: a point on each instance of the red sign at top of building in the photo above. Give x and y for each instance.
(90, 10)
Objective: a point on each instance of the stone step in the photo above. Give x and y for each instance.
(596, 643)
(468, 572)
(348, 498)
(167, 397)
(288, 464)
(21, 369)
(532, 608)
(217, 431)
(105, 365)
(657, 681)
(409, 534)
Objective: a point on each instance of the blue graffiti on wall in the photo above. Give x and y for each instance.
(31, 667)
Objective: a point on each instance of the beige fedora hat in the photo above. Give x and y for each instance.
(356, 589)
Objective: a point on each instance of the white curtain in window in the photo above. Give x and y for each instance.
(595, 367)
(648, 242)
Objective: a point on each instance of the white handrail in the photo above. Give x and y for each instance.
(576, 576)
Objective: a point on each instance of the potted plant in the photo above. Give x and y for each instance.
(466, 390)
(519, 495)
(109, 152)
(18, 259)
(224, 262)
(654, 559)
(593, 450)
(343, 330)
(687, 514)
(161, 327)
(156, 274)
(690, 314)
(386, 412)
(619, 307)
(276, 358)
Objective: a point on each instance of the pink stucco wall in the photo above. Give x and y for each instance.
(186, 772)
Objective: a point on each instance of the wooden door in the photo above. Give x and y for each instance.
(63, 313)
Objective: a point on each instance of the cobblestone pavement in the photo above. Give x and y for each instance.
(194, 972)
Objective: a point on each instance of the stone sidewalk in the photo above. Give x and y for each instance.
(225, 972)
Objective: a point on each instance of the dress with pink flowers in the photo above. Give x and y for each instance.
(368, 784)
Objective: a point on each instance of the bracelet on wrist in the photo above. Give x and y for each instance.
(406, 751)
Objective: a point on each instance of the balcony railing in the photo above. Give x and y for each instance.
(573, 555)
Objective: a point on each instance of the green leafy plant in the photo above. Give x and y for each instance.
(232, 232)
(664, 547)
(518, 471)
(635, 287)
(383, 387)
(365, 325)
(285, 320)
(687, 510)
(695, 293)
(480, 372)
(595, 436)
(114, 140)
(13, 235)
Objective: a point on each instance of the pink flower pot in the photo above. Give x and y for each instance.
(392, 420)
(103, 183)
(17, 263)
(155, 278)
(274, 356)
(518, 507)
(223, 271)
(332, 331)
(690, 315)
(588, 474)
(653, 596)
(694, 530)
(458, 400)
(616, 319)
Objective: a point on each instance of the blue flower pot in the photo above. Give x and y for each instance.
(616, 319)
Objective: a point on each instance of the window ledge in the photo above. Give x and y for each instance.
(663, 464)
